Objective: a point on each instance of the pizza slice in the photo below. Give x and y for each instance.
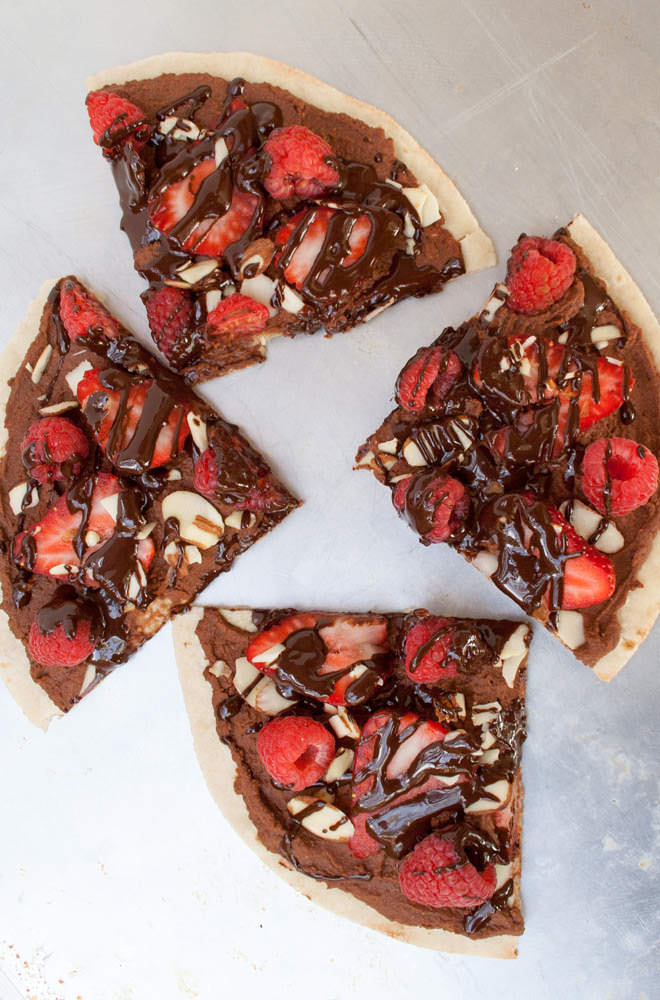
(122, 494)
(371, 760)
(261, 201)
(528, 439)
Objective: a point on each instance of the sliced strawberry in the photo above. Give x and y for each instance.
(408, 737)
(589, 578)
(81, 313)
(212, 238)
(237, 315)
(52, 538)
(103, 405)
(353, 647)
(308, 248)
(178, 197)
(609, 387)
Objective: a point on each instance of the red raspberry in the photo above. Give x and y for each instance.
(57, 649)
(112, 114)
(302, 164)
(81, 313)
(170, 314)
(48, 444)
(430, 876)
(625, 469)
(431, 667)
(296, 751)
(237, 314)
(436, 505)
(205, 478)
(538, 273)
(433, 370)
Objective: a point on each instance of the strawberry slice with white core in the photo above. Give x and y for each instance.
(52, 538)
(310, 245)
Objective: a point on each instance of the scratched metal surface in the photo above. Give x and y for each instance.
(119, 878)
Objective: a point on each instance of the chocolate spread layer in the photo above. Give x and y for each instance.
(401, 258)
(508, 451)
(125, 604)
(480, 684)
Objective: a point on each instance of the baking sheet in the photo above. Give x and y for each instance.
(119, 878)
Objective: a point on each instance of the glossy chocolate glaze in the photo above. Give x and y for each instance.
(394, 263)
(108, 583)
(401, 809)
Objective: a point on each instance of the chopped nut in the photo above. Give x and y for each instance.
(66, 404)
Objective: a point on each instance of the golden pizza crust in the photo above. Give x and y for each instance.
(14, 663)
(477, 248)
(642, 606)
(220, 771)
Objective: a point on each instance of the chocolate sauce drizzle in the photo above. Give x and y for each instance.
(335, 294)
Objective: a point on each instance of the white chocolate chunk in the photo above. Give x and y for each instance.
(66, 404)
(76, 374)
(111, 505)
(42, 363)
(424, 202)
(378, 310)
(186, 130)
(260, 288)
(213, 298)
(262, 695)
(245, 673)
(173, 475)
(342, 763)
(325, 820)
(586, 522)
(497, 299)
(171, 553)
(145, 530)
(489, 756)
(240, 618)
(498, 794)
(570, 628)
(502, 874)
(167, 124)
(459, 699)
(221, 151)
(133, 586)
(487, 739)
(90, 674)
(198, 431)
(60, 570)
(17, 494)
(512, 654)
(92, 538)
(199, 522)
(234, 520)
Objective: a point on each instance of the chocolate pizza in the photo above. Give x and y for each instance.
(376, 755)
(260, 201)
(527, 439)
(122, 495)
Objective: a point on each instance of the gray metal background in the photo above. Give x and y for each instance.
(119, 879)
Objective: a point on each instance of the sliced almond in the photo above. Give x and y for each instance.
(240, 618)
(197, 431)
(497, 795)
(193, 273)
(213, 298)
(234, 520)
(487, 712)
(271, 654)
(145, 530)
(344, 725)
(76, 374)
(174, 474)
(42, 363)
(424, 202)
(260, 288)
(342, 763)
(262, 693)
(291, 302)
(412, 454)
(66, 404)
(90, 674)
(111, 505)
(325, 820)
(199, 522)
(60, 570)
(389, 447)
(221, 151)
(17, 494)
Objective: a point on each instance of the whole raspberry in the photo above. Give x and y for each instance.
(426, 647)
(57, 649)
(170, 315)
(618, 475)
(538, 273)
(110, 115)
(433, 370)
(435, 505)
(432, 875)
(205, 478)
(82, 314)
(53, 449)
(300, 164)
(296, 751)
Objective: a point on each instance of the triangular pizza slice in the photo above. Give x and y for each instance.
(122, 494)
(528, 439)
(260, 201)
(373, 761)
